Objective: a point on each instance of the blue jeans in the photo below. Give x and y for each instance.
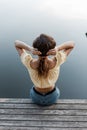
(45, 100)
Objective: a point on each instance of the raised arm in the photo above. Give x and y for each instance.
(66, 47)
(19, 45)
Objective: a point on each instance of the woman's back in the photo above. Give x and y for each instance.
(53, 64)
(50, 61)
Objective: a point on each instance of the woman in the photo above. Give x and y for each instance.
(44, 71)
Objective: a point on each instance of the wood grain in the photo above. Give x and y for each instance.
(23, 114)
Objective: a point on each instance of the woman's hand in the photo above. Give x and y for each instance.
(52, 51)
(35, 51)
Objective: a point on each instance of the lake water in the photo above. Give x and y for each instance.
(25, 20)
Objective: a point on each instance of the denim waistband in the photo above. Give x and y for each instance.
(44, 94)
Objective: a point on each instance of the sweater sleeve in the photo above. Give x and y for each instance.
(60, 57)
(26, 58)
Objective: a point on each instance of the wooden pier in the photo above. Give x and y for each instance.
(22, 114)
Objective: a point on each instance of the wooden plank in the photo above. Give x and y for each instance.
(53, 107)
(42, 118)
(40, 128)
(26, 100)
(43, 112)
(46, 124)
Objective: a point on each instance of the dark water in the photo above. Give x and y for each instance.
(24, 21)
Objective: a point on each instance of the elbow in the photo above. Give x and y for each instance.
(16, 43)
(72, 45)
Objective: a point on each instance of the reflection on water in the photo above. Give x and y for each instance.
(24, 21)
